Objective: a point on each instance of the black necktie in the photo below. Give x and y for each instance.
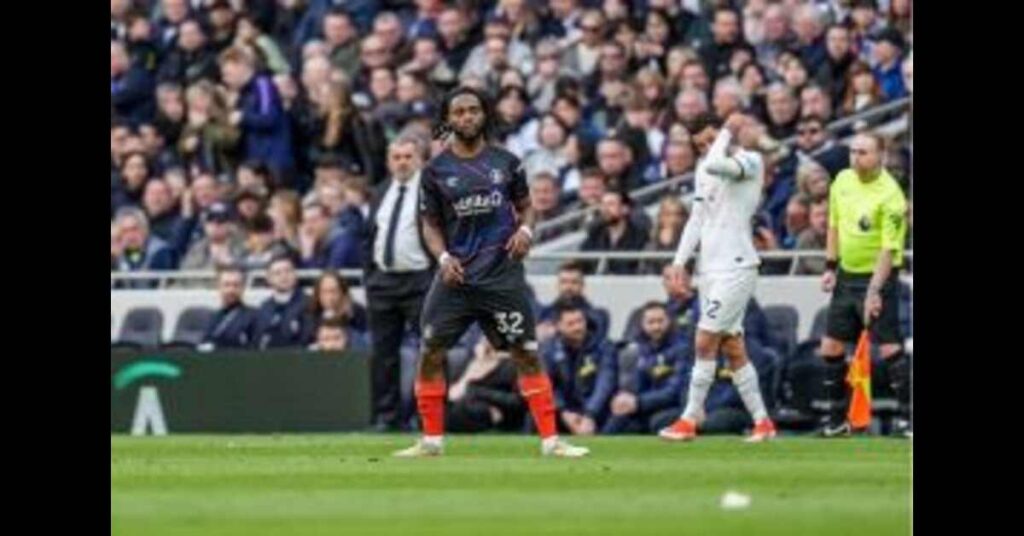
(389, 243)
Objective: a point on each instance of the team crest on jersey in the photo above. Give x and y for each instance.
(451, 181)
(864, 223)
(497, 176)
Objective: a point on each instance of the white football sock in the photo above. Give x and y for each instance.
(701, 378)
(434, 441)
(745, 380)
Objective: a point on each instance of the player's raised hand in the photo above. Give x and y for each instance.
(452, 272)
(519, 244)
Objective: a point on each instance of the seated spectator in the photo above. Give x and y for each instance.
(232, 325)
(130, 185)
(678, 160)
(814, 237)
(583, 370)
(615, 158)
(681, 304)
(249, 203)
(282, 319)
(815, 142)
(783, 111)
(333, 335)
(795, 222)
(324, 246)
(261, 244)
(331, 299)
(549, 152)
(486, 396)
(544, 195)
(220, 245)
(862, 89)
(191, 60)
(163, 215)
(672, 216)
(888, 53)
(616, 231)
(815, 101)
(812, 180)
(571, 287)
(131, 87)
(663, 358)
(140, 252)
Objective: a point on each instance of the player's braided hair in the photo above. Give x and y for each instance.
(442, 128)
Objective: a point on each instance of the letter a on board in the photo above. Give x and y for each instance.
(148, 413)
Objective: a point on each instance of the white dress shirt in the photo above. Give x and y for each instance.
(409, 253)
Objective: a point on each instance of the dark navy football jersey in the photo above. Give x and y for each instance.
(474, 201)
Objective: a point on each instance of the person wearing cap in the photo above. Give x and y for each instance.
(888, 55)
(219, 245)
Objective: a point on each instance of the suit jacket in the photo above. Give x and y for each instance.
(381, 283)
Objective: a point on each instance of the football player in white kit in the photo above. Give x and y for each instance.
(729, 181)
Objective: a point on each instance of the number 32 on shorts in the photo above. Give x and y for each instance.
(510, 323)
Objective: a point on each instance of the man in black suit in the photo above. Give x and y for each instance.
(397, 274)
(232, 325)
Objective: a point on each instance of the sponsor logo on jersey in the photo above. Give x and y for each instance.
(472, 205)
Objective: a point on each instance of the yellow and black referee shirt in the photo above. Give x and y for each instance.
(869, 217)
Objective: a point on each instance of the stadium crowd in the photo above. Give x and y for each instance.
(248, 128)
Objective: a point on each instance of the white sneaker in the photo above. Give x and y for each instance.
(421, 449)
(562, 449)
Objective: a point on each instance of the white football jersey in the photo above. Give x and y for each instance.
(723, 208)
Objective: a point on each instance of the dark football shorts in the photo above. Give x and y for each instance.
(845, 319)
(503, 311)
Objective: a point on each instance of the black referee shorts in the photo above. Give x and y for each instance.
(845, 319)
(503, 311)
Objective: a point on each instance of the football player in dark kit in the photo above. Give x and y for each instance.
(476, 218)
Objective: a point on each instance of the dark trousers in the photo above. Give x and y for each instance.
(641, 423)
(394, 302)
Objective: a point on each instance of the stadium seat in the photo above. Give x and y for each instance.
(782, 323)
(191, 325)
(141, 328)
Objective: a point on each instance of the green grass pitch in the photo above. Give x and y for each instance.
(489, 485)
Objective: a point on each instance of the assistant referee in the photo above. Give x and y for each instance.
(867, 228)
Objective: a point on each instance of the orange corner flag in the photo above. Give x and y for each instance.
(859, 379)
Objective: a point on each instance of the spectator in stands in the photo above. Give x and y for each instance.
(908, 74)
(809, 27)
(220, 18)
(341, 40)
(232, 325)
(220, 245)
(812, 180)
(542, 84)
(428, 63)
(259, 113)
(616, 231)
(816, 143)
(813, 238)
(322, 245)
(549, 152)
(592, 187)
(208, 139)
(170, 112)
(777, 35)
(544, 194)
(131, 183)
(191, 60)
(571, 285)
(338, 129)
(814, 100)
(888, 53)
(131, 87)
(753, 79)
(249, 202)
(140, 251)
(678, 160)
(286, 211)
(864, 22)
(728, 98)
(331, 300)
(249, 34)
(517, 130)
(504, 50)
(616, 161)
(486, 395)
(839, 56)
(332, 335)
(662, 358)
(163, 215)
(783, 111)
(583, 370)
(862, 89)
(672, 216)
(261, 244)
(795, 222)
(453, 31)
(172, 14)
(726, 36)
(282, 318)
(689, 105)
